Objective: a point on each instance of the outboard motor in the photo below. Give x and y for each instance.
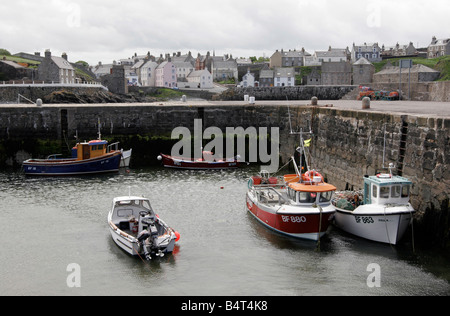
(150, 234)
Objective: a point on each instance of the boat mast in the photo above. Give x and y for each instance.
(301, 148)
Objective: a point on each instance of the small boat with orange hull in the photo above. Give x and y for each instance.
(205, 163)
(292, 206)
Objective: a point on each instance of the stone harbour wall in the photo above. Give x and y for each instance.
(350, 144)
(287, 93)
(346, 144)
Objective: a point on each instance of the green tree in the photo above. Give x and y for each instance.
(82, 63)
(4, 52)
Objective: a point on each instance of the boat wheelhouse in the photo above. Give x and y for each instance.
(292, 206)
(91, 157)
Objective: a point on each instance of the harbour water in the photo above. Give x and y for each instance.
(49, 224)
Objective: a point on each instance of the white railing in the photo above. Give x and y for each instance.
(41, 84)
(21, 96)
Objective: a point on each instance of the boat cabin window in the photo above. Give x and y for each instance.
(326, 196)
(405, 191)
(384, 192)
(395, 191)
(97, 147)
(144, 204)
(125, 212)
(374, 191)
(307, 197)
(292, 194)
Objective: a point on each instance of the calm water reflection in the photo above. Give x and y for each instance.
(51, 223)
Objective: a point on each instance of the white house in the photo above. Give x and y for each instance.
(284, 77)
(248, 80)
(200, 79)
(148, 74)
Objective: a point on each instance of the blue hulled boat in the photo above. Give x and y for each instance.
(90, 158)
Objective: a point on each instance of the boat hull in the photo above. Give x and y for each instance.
(130, 244)
(382, 227)
(126, 158)
(302, 224)
(171, 162)
(66, 167)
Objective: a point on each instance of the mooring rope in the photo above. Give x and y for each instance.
(320, 227)
(412, 231)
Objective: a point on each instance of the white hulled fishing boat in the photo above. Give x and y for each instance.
(380, 212)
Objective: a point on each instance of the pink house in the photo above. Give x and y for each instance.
(166, 75)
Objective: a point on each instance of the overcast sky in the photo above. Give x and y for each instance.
(94, 30)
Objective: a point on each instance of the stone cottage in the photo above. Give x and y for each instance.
(56, 69)
(419, 73)
(336, 73)
(116, 81)
(363, 71)
(266, 78)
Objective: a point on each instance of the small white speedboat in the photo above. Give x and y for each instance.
(136, 228)
(381, 212)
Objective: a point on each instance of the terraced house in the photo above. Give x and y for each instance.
(438, 47)
(166, 75)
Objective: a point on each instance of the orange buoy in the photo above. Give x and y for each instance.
(177, 234)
